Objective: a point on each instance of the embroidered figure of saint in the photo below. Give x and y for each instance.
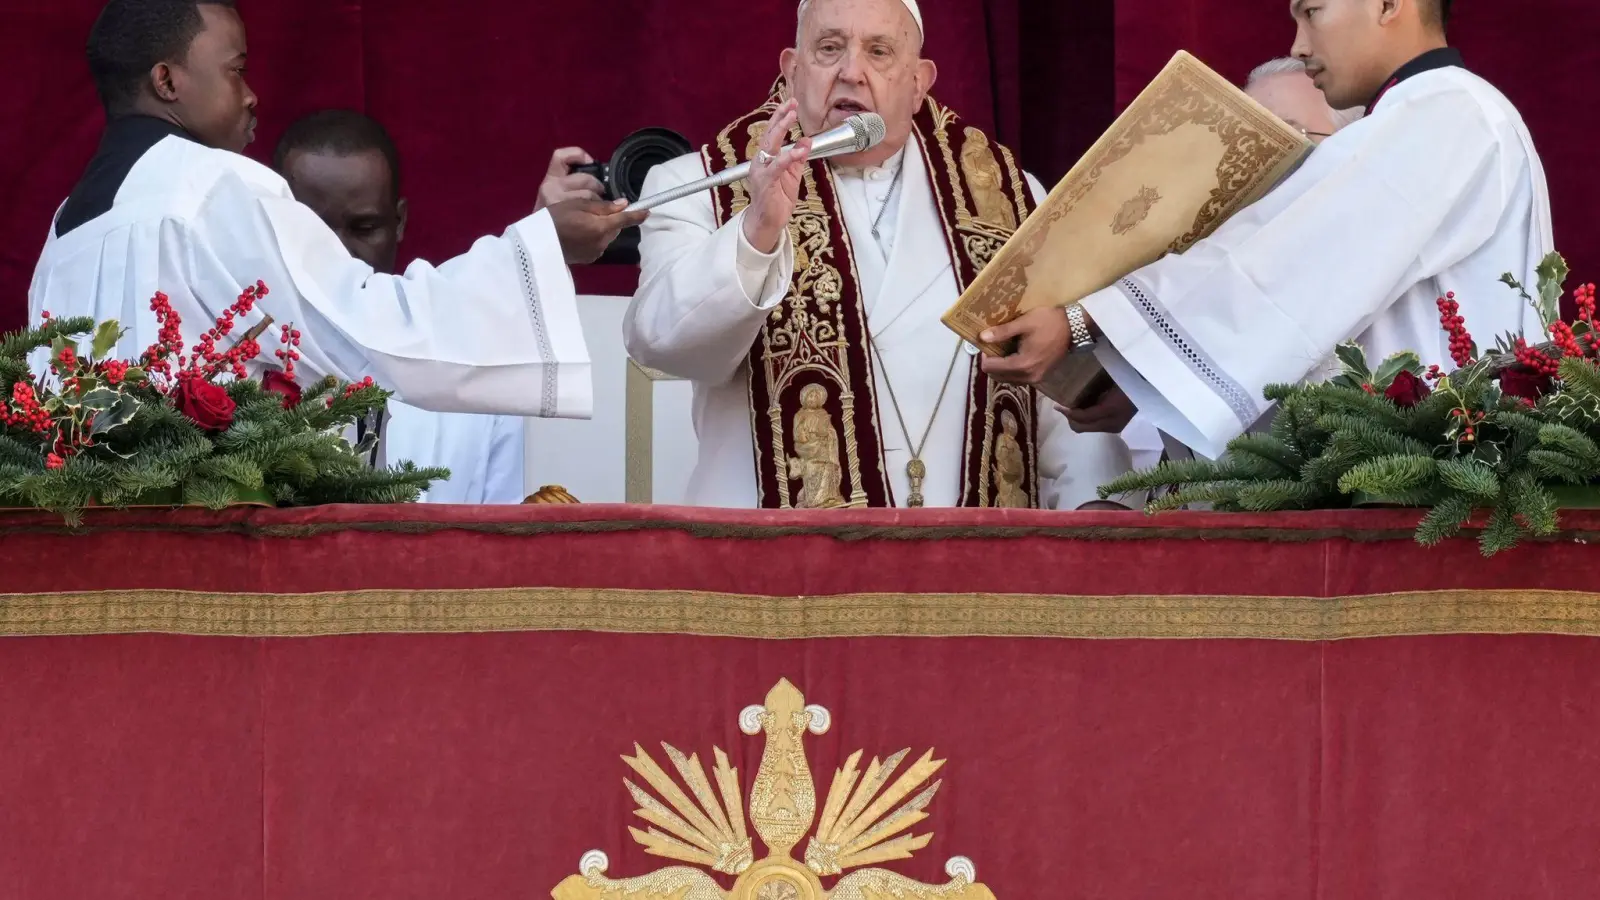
(982, 173)
(1008, 466)
(816, 447)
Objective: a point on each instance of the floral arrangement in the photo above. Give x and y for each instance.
(181, 428)
(1509, 434)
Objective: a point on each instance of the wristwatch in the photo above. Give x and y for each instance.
(1079, 321)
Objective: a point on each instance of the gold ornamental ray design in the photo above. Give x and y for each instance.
(866, 819)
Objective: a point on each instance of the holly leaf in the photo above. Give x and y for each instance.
(135, 375)
(105, 338)
(1394, 365)
(1552, 272)
(120, 413)
(99, 399)
(1354, 359)
(1490, 401)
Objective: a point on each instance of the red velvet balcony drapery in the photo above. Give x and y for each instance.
(428, 702)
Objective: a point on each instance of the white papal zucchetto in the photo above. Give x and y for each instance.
(911, 7)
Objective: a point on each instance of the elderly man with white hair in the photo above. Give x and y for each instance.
(1283, 87)
(804, 304)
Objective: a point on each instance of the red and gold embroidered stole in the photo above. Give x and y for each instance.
(813, 400)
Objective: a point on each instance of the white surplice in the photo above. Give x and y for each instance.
(494, 330)
(704, 293)
(483, 453)
(1438, 190)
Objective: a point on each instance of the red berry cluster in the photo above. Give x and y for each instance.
(1561, 335)
(351, 388)
(25, 411)
(1470, 420)
(1536, 359)
(1584, 298)
(170, 339)
(66, 361)
(115, 370)
(207, 362)
(1456, 326)
(290, 350)
(1434, 373)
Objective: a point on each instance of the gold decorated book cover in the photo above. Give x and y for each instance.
(1189, 152)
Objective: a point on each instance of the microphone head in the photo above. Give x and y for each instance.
(868, 128)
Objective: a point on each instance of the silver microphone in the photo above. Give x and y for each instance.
(859, 132)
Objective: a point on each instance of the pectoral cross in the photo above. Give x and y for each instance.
(916, 471)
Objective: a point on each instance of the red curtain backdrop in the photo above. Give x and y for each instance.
(478, 95)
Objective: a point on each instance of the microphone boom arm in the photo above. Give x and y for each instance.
(858, 133)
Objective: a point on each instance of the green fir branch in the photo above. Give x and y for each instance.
(1469, 477)
(1389, 475)
(1534, 505)
(1553, 465)
(1573, 443)
(18, 344)
(1446, 519)
(1168, 473)
(1502, 533)
(1271, 496)
(1278, 457)
(1221, 494)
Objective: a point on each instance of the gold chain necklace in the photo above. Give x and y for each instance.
(915, 469)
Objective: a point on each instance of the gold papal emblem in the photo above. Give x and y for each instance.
(1135, 210)
(862, 823)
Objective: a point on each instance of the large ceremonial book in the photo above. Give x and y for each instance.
(1190, 151)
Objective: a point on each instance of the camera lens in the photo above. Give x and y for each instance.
(638, 154)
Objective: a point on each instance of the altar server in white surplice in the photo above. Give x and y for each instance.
(169, 205)
(804, 305)
(346, 168)
(1438, 189)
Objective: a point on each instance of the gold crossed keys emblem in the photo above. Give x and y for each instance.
(863, 823)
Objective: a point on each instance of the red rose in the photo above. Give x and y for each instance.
(276, 382)
(1524, 383)
(204, 403)
(1407, 390)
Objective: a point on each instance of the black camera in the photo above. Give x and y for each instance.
(623, 178)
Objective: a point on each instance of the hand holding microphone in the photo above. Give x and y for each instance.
(775, 176)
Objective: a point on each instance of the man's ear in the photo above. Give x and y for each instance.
(786, 64)
(161, 83)
(1388, 9)
(927, 74)
(400, 211)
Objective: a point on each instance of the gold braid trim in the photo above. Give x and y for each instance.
(839, 616)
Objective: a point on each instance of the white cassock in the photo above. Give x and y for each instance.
(1438, 190)
(704, 292)
(494, 330)
(483, 453)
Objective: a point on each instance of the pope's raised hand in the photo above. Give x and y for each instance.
(775, 176)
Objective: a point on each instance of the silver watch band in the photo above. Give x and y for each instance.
(1081, 337)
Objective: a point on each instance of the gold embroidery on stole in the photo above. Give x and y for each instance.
(810, 373)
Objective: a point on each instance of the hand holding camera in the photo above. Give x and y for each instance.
(571, 176)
